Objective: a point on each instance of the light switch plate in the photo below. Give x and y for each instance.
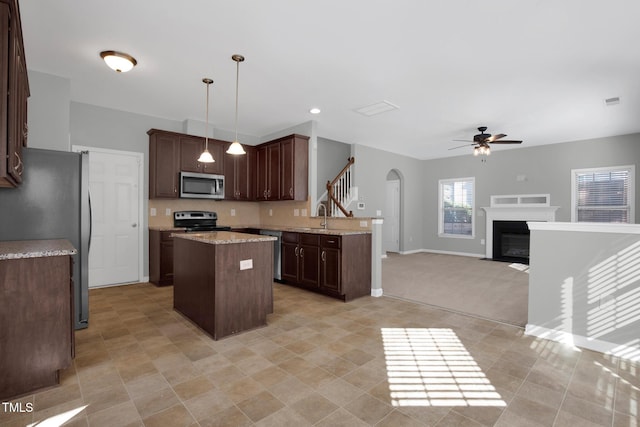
(246, 264)
(167, 211)
(233, 212)
(296, 212)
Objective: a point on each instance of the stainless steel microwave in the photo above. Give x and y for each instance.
(201, 186)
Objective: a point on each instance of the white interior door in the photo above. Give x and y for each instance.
(391, 224)
(114, 186)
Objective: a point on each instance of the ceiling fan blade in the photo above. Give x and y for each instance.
(506, 142)
(495, 137)
(460, 146)
(462, 140)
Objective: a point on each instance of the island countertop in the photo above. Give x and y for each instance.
(19, 249)
(223, 237)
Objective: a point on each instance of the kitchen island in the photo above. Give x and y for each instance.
(223, 281)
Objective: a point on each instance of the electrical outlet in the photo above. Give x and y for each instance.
(270, 212)
(304, 212)
(167, 211)
(154, 212)
(296, 212)
(364, 223)
(360, 206)
(233, 212)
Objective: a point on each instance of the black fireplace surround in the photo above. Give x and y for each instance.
(511, 241)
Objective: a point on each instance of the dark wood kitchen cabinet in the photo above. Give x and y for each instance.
(190, 149)
(161, 257)
(282, 169)
(268, 172)
(239, 178)
(173, 152)
(14, 91)
(301, 259)
(164, 164)
(335, 265)
(36, 321)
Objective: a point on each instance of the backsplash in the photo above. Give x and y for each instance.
(242, 214)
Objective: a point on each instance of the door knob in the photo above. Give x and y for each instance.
(134, 225)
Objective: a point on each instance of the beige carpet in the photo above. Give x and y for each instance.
(488, 289)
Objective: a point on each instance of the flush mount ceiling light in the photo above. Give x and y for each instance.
(118, 61)
(315, 111)
(206, 156)
(236, 147)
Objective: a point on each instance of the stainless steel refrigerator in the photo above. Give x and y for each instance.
(53, 203)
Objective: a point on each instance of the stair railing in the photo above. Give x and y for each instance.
(339, 190)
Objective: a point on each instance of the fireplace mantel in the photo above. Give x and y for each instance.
(516, 212)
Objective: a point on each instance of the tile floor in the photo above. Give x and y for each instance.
(322, 362)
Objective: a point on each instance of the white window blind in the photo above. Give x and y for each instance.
(603, 195)
(456, 207)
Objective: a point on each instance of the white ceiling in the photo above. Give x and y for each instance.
(536, 70)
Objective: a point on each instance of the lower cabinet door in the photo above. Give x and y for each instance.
(289, 262)
(309, 265)
(330, 265)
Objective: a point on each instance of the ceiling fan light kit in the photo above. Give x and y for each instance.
(482, 140)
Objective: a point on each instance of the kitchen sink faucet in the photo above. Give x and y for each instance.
(321, 205)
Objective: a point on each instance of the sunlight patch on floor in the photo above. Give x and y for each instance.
(431, 367)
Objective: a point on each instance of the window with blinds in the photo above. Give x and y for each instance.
(456, 207)
(603, 195)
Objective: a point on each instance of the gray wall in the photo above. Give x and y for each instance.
(370, 170)
(48, 111)
(591, 294)
(547, 170)
(332, 157)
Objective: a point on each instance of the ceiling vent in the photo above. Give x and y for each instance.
(612, 101)
(377, 108)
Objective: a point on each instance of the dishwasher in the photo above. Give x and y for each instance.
(277, 275)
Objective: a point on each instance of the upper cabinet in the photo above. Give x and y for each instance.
(14, 91)
(164, 164)
(239, 178)
(275, 170)
(190, 149)
(282, 169)
(172, 152)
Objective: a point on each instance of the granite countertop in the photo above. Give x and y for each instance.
(319, 230)
(18, 249)
(223, 237)
(294, 229)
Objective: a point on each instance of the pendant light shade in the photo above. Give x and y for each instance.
(236, 147)
(118, 61)
(206, 156)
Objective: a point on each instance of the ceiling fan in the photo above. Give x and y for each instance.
(482, 140)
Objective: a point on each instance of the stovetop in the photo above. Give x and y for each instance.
(195, 221)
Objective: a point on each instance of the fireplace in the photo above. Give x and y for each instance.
(511, 241)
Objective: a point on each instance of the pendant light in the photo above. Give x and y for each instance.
(236, 147)
(206, 156)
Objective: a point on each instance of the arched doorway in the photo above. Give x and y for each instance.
(392, 213)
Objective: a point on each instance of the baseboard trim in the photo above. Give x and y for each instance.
(435, 251)
(630, 352)
(376, 292)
